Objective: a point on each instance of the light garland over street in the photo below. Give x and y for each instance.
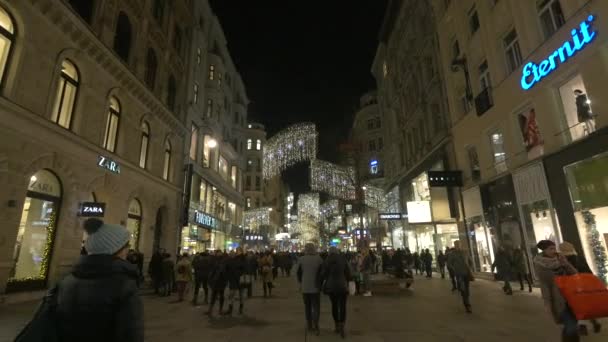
(295, 144)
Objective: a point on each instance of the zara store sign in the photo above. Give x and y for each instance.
(533, 73)
(108, 164)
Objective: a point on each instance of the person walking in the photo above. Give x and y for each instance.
(183, 276)
(288, 264)
(265, 263)
(308, 272)
(365, 268)
(503, 264)
(202, 267)
(441, 261)
(427, 260)
(417, 263)
(450, 270)
(568, 250)
(235, 268)
(335, 276)
(218, 280)
(521, 269)
(155, 270)
(98, 300)
(354, 265)
(549, 264)
(168, 275)
(460, 263)
(251, 269)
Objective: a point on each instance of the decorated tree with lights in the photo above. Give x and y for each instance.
(597, 248)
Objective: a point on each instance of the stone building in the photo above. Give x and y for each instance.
(91, 122)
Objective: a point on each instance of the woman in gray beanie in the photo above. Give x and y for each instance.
(98, 301)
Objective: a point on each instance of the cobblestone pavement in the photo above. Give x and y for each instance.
(428, 313)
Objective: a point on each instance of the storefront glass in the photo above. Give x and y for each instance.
(587, 183)
(481, 244)
(37, 228)
(580, 119)
(424, 237)
(134, 223)
(446, 235)
(539, 221)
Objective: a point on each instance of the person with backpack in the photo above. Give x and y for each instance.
(183, 276)
(98, 300)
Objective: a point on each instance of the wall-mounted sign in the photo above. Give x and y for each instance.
(92, 209)
(205, 220)
(389, 216)
(254, 238)
(108, 164)
(532, 73)
(445, 178)
(419, 211)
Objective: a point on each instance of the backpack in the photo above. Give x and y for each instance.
(181, 269)
(43, 326)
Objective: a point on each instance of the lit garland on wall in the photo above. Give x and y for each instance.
(308, 217)
(294, 144)
(335, 180)
(255, 218)
(599, 253)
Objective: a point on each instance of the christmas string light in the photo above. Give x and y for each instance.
(255, 218)
(335, 180)
(330, 208)
(292, 145)
(375, 197)
(308, 217)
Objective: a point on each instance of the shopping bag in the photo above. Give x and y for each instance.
(352, 288)
(586, 295)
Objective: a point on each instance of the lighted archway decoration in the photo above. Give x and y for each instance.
(308, 217)
(335, 180)
(295, 144)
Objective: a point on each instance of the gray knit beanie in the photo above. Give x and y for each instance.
(105, 238)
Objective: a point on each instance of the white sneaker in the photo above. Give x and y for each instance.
(367, 294)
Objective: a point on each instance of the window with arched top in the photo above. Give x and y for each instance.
(7, 38)
(84, 9)
(171, 92)
(67, 89)
(167, 163)
(151, 68)
(145, 142)
(112, 122)
(123, 37)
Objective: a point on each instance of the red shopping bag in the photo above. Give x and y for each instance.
(586, 295)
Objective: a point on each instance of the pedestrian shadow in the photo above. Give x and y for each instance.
(223, 323)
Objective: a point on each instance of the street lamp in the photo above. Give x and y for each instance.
(212, 143)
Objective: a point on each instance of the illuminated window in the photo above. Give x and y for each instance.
(223, 168)
(7, 37)
(233, 176)
(551, 16)
(111, 135)
(498, 151)
(145, 142)
(209, 111)
(66, 95)
(219, 80)
(195, 96)
(258, 144)
(249, 164)
(248, 202)
(249, 142)
(198, 56)
(167, 162)
(211, 72)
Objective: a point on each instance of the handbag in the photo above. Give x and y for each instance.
(43, 326)
(352, 288)
(586, 295)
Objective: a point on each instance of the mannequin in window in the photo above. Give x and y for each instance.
(583, 110)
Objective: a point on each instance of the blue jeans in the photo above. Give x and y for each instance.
(570, 323)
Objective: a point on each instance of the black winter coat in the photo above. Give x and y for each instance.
(335, 274)
(98, 302)
(202, 266)
(235, 267)
(218, 277)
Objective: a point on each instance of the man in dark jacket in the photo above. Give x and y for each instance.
(335, 276)
(202, 267)
(218, 280)
(427, 260)
(155, 270)
(235, 267)
(442, 259)
(504, 267)
(98, 301)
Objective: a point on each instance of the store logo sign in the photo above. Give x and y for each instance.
(108, 164)
(92, 209)
(205, 220)
(581, 37)
(389, 216)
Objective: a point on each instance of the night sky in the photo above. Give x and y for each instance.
(303, 61)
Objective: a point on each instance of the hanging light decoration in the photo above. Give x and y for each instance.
(375, 197)
(255, 218)
(335, 180)
(308, 217)
(292, 145)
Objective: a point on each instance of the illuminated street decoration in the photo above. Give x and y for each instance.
(308, 217)
(532, 73)
(292, 145)
(335, 180)
(330, 208)
(255, 218)
(375, 197)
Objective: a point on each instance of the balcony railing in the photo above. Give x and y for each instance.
(483, 101)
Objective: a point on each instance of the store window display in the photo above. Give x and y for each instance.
(576, 103)
(481, 243)
(446, 235)
(531, 135)
(134, 222)
(540, 222)
(587, 184)
(35, 236)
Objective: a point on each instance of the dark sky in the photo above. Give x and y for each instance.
(303, 61)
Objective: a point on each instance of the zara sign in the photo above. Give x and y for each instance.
(92, 209)
(532, 73)
(108, 164)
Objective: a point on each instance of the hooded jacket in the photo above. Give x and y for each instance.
(546, 270)
(98, 301)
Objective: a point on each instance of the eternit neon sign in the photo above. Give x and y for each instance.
(532, 73)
